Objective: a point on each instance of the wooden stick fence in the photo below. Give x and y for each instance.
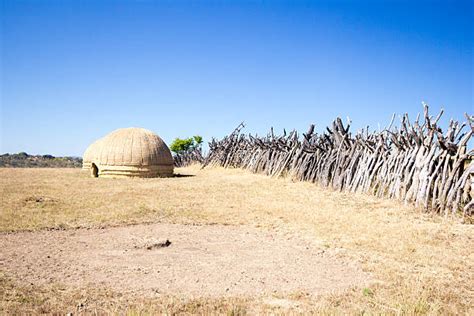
(187, 158)
(414, 162)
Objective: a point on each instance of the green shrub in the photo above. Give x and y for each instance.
(181, 146)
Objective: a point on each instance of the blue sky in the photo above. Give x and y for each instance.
(72, 71)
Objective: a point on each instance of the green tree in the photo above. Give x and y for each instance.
(181, 146)
(198, 140)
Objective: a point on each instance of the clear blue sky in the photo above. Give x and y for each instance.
(72, 71)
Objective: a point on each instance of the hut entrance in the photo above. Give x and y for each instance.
(94, 170)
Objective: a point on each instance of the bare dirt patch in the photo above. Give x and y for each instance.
(197, 261)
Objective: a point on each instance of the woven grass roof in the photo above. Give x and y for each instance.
(129, 147)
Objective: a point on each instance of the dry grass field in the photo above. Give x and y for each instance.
(417, 263)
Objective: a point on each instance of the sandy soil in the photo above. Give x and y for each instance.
(210, 261)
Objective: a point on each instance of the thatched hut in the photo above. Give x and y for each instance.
(129, 152)
(90, 155)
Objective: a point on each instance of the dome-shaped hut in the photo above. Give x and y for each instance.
(129, 152)
(90, 155)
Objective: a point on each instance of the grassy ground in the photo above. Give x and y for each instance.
(421, 264)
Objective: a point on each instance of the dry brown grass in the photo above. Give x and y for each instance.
(421, 264)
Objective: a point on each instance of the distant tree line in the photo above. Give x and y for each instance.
(24, 160)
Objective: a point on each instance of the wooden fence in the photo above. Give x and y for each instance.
(187, 158)
(413, 162)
